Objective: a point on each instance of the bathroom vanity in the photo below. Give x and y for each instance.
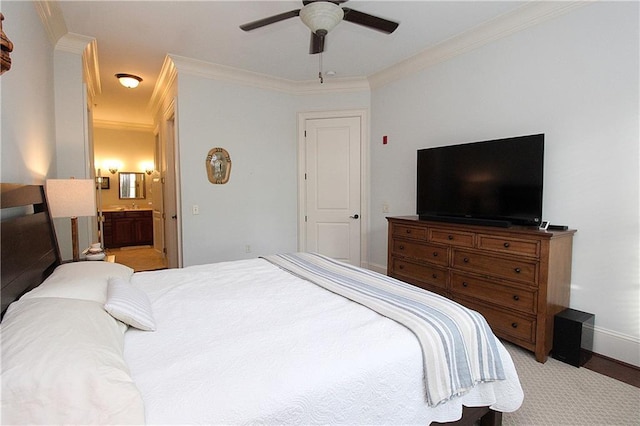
(127, 227)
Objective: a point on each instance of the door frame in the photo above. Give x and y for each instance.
(364, 174)
(172, 189)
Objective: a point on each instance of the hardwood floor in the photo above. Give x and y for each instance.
(139, 258)
(618, 370)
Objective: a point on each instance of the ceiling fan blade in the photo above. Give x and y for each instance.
(369, 21)
(270, 20)
(317, 43)
(306, 2)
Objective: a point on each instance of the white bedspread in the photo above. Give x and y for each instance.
(245, 342)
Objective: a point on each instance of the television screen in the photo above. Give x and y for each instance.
(496, 182)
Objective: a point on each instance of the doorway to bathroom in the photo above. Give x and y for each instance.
(120, 152)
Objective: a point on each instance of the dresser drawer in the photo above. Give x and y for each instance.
(425, 252)
(509, 245)
(504, 324)
(490, 291)
(453, 238)
(410, 232)
(416, 273)
(519, 270)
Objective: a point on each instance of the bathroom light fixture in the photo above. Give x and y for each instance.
(129, 81)
(148, 167)
(113, 165)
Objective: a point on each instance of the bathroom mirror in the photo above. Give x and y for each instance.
(131, 185)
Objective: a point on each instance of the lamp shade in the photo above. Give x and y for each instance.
(321, 15)
(71, 197)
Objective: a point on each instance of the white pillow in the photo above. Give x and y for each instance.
(62, 363)
(129, 305)
(86, 280)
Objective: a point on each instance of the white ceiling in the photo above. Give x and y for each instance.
(135, 36)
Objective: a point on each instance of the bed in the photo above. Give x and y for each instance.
(285, 339)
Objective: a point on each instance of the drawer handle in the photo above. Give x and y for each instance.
(516, 297)
(450, 237)
(408, 231)
(465, 284)
(401, 247)
(434, 276)
(514, 324)
(465, 260)
(518, 270)
(400, 266)
(435, 254)
(506, 245)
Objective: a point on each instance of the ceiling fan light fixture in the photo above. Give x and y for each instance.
(129, 81)
(321, 15)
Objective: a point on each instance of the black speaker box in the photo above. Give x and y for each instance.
(573, 337)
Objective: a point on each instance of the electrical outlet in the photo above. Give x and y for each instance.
(195, 209)
(247, 248)
(385, 208)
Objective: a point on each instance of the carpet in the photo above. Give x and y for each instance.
(556, 394)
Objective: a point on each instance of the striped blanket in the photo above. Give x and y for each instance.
(458, 347)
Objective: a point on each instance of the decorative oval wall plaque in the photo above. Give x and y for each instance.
(218, 165)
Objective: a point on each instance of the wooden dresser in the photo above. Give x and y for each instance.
(517, 277)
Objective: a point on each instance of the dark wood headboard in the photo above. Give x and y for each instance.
(29, 246)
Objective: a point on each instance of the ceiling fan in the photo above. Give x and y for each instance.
(321, 16)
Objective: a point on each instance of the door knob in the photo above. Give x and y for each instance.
(355, 216)
(175, 216)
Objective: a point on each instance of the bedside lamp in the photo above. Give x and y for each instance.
(72, 198)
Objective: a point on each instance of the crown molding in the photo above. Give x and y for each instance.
(92, 69)
(52, 19)
(56, 29)
(222, 72)
(122, 125)
(73, 43)
(530, 14)
(164, 85)
(330, 85)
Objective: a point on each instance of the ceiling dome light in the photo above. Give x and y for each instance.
(129, 81)
(321, 15)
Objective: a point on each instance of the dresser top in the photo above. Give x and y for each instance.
(524, 230)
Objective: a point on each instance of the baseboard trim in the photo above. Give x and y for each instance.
(613, 368)
(617, 346)
(378, 268)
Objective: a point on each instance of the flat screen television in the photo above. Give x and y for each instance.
(496, 183)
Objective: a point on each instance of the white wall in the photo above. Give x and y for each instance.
(28, 126)
(258, 127)
(256, 207)
(42, 111)
(574, 78)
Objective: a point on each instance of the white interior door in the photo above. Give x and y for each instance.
(333, 209)
(170, 197)
(157, 191)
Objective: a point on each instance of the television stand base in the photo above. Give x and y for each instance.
(467, 221)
